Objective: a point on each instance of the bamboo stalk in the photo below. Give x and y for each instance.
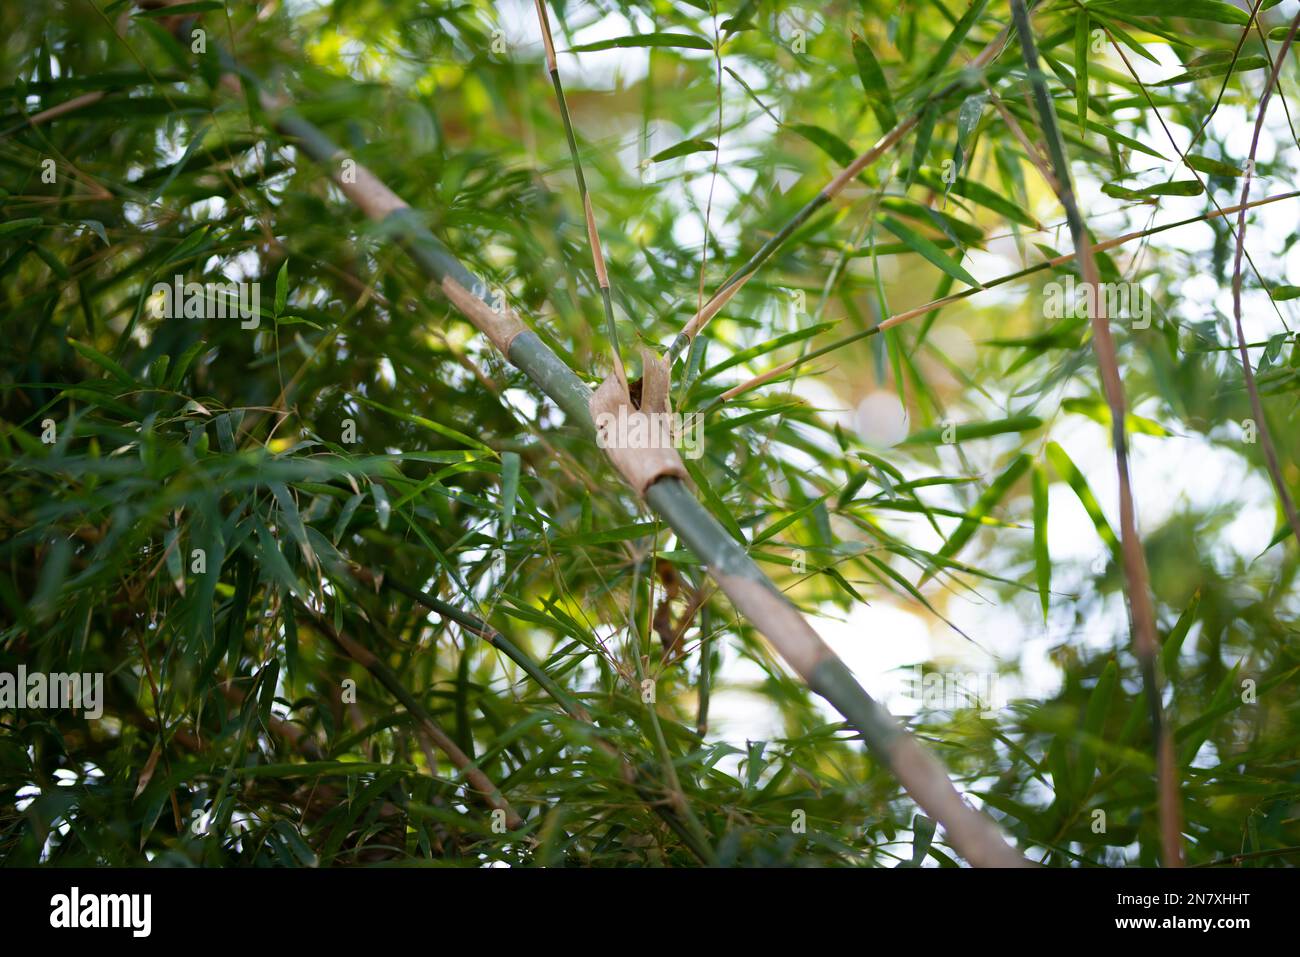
(1141, 609)
(1256, 405)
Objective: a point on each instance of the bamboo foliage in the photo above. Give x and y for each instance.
(363, 581)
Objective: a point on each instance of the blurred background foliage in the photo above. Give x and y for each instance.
(363, 438)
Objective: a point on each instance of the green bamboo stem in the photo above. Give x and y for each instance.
(1146, 644)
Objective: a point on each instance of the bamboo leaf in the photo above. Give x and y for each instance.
(874, 86)
(990, 497)
(1211, 10)
(683, 41)
(929, 251)
(684, 148)
(1066, 469)
(104, 362)
(827, 142)
(509, 489)
(1042, 559)
(974, 430)
(1082, 41)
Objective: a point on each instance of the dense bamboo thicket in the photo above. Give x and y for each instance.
(338, 338)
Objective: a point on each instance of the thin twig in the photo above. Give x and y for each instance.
(694, 838)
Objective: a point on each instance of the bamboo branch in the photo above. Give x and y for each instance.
(742, 275)
(694, 838)
(480, 782)
(593, 236)
(1141, 609)
(1256, 405)
(899, 318)
(1239, 238)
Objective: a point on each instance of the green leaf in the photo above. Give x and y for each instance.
(1081, 53)
(975, 430)
(345, 515)
(382, 507)
(827, 142)
(195, 141)
(1042, 558)
(1243, 65)
(1203, 164)
(180, 9)
(426, 423)
(188, 246)
(1114, 136)
(1186, 187)
(104, 362)
(982, 507)
(683, 41)
(979, 194)
(1099, 412)
(879, 98)
(175, 561)
(1094, 721)
(922, 837)
(296, 321)
(282, 288)
(921, 144)
(929, 251)
(713, 501)
(1211, 10)
(183, 364)
(292, 519)
(943, 57)
(20, 225)
(98, 229)
(273, 564)
(1118, 31)
(684, 148)
(1058, 763)
(509, 490)
(1173, 642)
(743, 356)
(1282, 293)
(1064, 467)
